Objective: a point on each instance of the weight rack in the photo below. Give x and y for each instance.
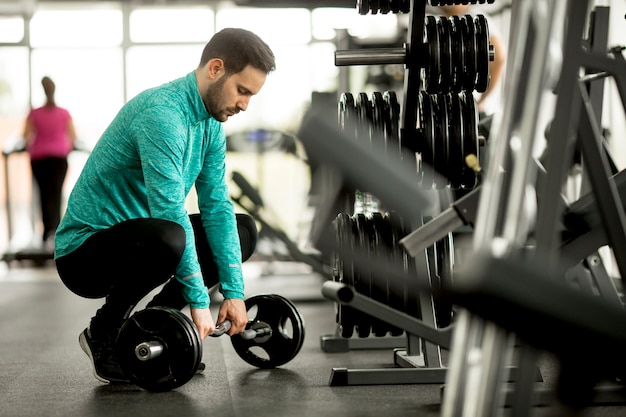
(498, 219)
(421, 361)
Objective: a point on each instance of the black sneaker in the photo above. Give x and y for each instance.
(101, 353)
(201, 368)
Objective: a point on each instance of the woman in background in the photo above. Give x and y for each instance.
(49, 134)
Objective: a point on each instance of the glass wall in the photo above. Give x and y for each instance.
(101, 54)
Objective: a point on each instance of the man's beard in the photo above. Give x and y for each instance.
(213, 97)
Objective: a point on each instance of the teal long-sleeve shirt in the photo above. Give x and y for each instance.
(159, 145)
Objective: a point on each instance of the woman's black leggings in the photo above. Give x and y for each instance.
(127, 261)
(50, 174)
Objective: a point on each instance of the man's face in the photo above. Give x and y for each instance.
(227, 96)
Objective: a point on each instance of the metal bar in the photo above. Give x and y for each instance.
(370, 56)
(343, 376)
(561, 137)
(434, 230)
(603, 281)
(604, 189)
(389, 179)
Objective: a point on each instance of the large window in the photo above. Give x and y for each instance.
(79, 47)
(150, 66)
(153, 25)
(88, 83)
(11, 29)
(93, 27)
(97, 66)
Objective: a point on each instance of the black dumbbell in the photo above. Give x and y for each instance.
(159, 348)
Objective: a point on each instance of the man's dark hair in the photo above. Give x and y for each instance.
(239, 48)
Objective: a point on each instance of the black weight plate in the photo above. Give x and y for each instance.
(391, 143)
(363, 6)
(385, 6)
(456, 158)
(470, 136)
(445, 55)
(182, 348)
(427, 149)
(285, 340)
(407, 265)
(374, 6)
(467, 26)
(379, 286)
(405, 6)
(432, 68)
(393, 130)
(444, 253)
(364, 115)
(346, 113)
(458, 53)
(296, 315)
(482, 53)
(345, 266)
(440, 142)
(391, 254)
(362, 277)
(379, 113)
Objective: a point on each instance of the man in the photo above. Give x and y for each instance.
(126, 230)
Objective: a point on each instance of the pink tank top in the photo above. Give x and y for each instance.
(51, 138)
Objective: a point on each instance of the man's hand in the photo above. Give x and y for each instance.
(234, 309)
(203, 320)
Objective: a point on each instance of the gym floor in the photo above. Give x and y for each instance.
(43, 371)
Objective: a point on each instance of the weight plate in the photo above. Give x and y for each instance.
(432, 67)
(296, 314)
(458, 53)
(406, 264)
(345, 266)
(347, 114)
(364, 115)
(445, 55)
(392, 254)
(393, 129)
(362, 277)
(469, 63)
(385, 6)
(444, 254)
(482, 53)
(405, 6)
(456, 158)
(175, 332)
(380, 285)
(285, 340)
(470, 136)
(374, 6)
(427, 149)
(363, 6)
(379, 113)
(440, 140)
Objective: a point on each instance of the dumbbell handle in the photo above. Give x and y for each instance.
(249, 334)
(152, 349)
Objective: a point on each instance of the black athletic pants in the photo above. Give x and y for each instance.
(49, 173)
(127, 261)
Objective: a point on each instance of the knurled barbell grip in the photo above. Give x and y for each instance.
(224, 327)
